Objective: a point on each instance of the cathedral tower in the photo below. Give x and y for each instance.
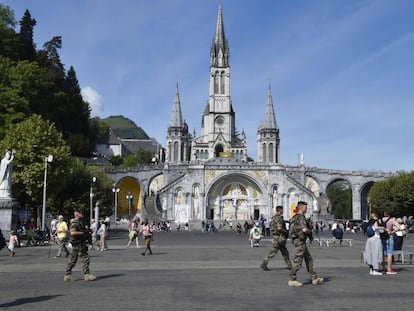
(218, 131)
(268, 141)
(177, 137)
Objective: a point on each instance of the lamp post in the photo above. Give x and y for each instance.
(129, 197)
(48, 159)
(91, 199)
(115, 191)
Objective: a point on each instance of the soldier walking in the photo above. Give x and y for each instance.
(79, 236)
(300, 232)
(278, 229)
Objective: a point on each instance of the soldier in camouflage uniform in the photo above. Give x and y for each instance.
(278, 229)
(78, 238)
(300, 232)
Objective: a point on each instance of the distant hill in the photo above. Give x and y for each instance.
(125, 128)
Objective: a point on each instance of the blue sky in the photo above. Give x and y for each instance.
(341, 72)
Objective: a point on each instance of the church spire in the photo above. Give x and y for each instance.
(176, 115)
(219, 54)
(269, 121)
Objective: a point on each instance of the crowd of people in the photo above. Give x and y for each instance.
(384, 236)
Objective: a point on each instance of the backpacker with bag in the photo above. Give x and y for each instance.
(384, 235)
(370, 231)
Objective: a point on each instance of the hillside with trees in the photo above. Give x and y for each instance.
(42, 112)
(124, 127)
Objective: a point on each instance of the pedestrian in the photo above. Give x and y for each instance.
(53, 229)
(133, 233)
(102, 233)
(2, 241)
(146, 232)
(300, 232)
(390, 227)
(338, 233)
(373, 254)
(13, 241)
(62, 237)
(278, 228)
(255, 235)
(78, 237)
(399, 235)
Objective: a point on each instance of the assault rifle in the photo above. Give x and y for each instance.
(310, 227)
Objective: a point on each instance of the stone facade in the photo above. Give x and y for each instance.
(209, 178)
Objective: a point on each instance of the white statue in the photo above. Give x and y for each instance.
(6, 174)
(197, 202)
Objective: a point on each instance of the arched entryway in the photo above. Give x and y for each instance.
(218, 150)
(365, 207)
(129, 198)
(235, 197)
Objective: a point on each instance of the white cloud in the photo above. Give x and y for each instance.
(94, 99)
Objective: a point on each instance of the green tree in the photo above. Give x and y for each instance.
(73, 191)
(395, 194)
(340, 196)
(144, 156)
(7, 19)
(10, 43)
(73, 117)
(22, 86)
(32, 141)
(130, 161)
(27, 24)
(116, 160)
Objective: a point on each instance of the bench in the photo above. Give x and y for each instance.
(329, 242)
(401, 255)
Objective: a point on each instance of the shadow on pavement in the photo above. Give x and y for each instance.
(22, 301)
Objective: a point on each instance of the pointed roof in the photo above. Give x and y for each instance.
(176, 115)
(269, 121)
(219, 42)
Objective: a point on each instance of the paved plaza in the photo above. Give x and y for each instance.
(196, 271)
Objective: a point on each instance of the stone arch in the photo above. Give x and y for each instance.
(365, 207)
(129, 186)
(351, 186)
(155, 184)
(218, 149)
(235, 196)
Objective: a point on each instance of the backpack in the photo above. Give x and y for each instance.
(384, 235)
(370, 231)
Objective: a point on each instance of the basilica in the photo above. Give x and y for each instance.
(210, 177)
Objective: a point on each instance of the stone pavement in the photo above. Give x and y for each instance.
(195, 271)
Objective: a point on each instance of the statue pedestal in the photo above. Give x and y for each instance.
(10, 212)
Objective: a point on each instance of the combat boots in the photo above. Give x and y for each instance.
(294, 283)
(264, 266)
(68, 278)
(89, 277)
(317, 281)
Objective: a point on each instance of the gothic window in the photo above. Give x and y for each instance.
(264, 152)
(182, 158)
(174, 158)
(271, 153)
(216, 82)
(218, 149)
(222, 83)
(169, 152)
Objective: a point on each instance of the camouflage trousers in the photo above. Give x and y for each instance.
(279, 243)
(82, 251)
(301, 252)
